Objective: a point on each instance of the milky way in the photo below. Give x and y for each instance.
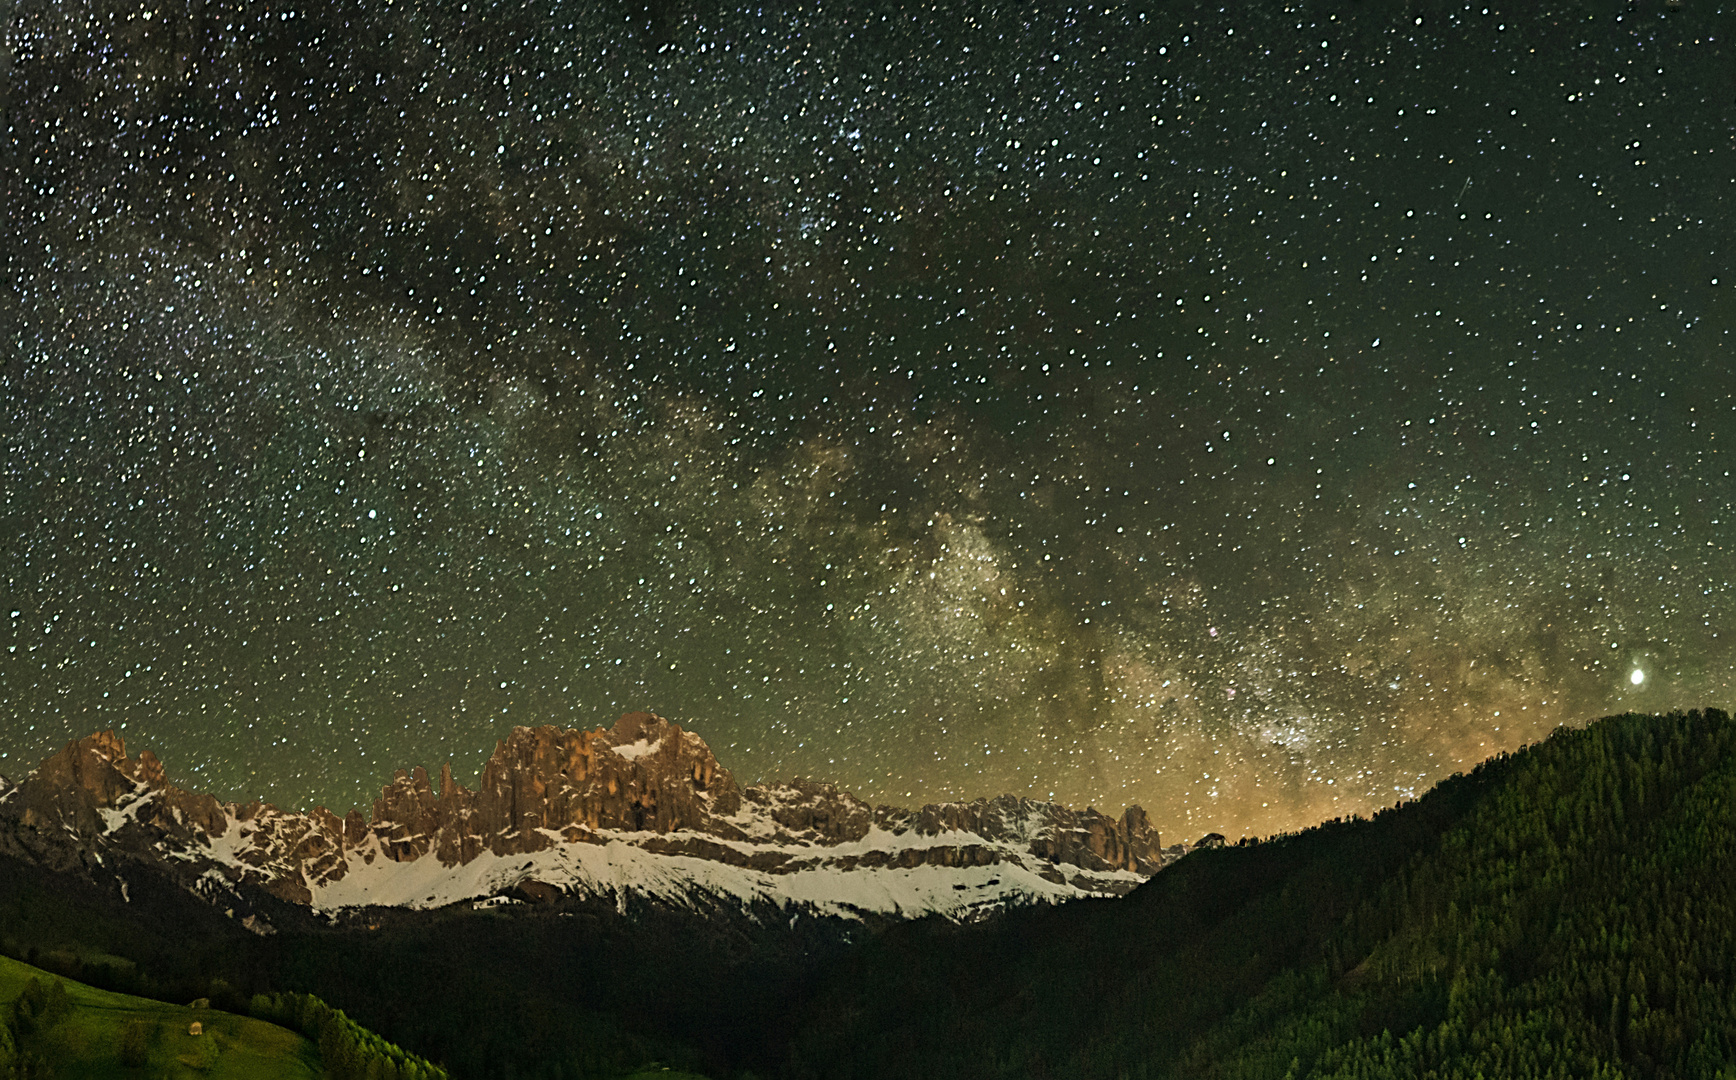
(1253, 415)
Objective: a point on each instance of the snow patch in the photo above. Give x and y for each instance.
(635, 750)
(494, 902)
(125, 810)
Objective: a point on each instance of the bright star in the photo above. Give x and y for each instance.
(1637, 677)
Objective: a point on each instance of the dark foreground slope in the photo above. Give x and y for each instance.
(1569, 910)
(565, 989)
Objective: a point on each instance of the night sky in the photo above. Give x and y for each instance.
(1253, 413)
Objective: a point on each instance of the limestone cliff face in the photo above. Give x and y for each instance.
(544, 785)
(288, 851)
(821, 814)
(1083, 838)
(645, 783)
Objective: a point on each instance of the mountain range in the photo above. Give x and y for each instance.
(643, 809)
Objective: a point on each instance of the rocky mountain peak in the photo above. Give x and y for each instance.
(90, 785)
(95, 767)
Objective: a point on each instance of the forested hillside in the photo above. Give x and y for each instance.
(1569, 910)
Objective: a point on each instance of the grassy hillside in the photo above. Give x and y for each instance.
(103, 1035)
(1569, 910)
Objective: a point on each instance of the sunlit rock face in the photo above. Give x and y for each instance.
(644, 806)
(82, 789)
(543, 785)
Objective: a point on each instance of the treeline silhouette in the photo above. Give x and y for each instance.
(1568, 910)
(346, 1049)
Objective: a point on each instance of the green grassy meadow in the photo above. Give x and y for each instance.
(88, 1044)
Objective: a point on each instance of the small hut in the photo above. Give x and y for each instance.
(195, 1028)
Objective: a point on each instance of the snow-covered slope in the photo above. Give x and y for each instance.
(619, 864)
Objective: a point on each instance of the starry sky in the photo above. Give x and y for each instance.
(1255, 413)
